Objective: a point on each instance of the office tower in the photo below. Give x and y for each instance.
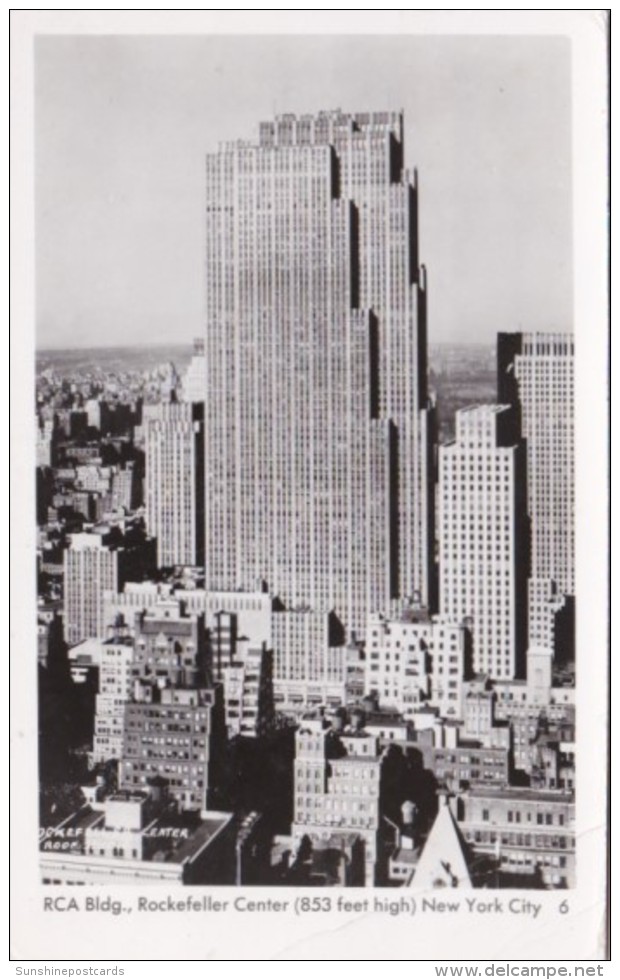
(174, 481)
(123, 487)
(174, 734)
(248, 690)
(415, 660)
(318, 430)
(483, 536)
(90, 567)
(93, 409)
(94, 563)
(164, 643)
(550, 617)
(194, 383)
(535, 372)
(529, 832)
(310, 660)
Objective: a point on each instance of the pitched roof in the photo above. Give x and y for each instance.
(443, 861)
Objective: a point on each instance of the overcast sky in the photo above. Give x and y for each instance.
(123, 124)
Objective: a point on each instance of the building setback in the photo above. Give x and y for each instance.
(483, 537)
(317, 420)
(115, 684)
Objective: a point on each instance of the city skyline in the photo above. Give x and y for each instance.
(299, 704)
(488, 126)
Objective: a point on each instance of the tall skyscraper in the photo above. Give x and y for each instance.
(174, 481)
(535, 372)
(483, 536)
(90, 567)
(318, 428)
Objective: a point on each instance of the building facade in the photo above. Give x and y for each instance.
(168, 735)
(115, 685)
(317, 417)
(416, 660)
(528, 832)
(536, 373)
(337, 789)
(483, 537)
(91, 566)
(129, 838)
(248, 691)
(194, 384)
(174, 481)
(311, 663)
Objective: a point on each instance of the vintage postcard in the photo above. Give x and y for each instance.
(310, 629)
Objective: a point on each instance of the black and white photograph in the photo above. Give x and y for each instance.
(314, 624)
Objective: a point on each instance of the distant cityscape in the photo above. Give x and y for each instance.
(306, 601)
(459, 374)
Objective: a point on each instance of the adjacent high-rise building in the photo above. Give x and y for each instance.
(483, 536)
(174, 481)
(535, 372)
(318, 426)
(194, 382)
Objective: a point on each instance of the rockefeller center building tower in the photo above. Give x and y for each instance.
(317, 422)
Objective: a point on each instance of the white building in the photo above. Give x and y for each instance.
(44, 442)
(416, 660)
(127, 839)
(536, 371)
(309, 667)
(248, 694)
(174, 481)
(337, 789)
(194, 383)
(251, 611)
(316, 403)
(483, 536)
(90, 568)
